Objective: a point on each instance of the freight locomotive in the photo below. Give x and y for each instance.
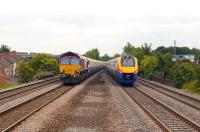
(124, 69)
(74, 67)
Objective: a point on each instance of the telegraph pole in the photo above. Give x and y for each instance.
(174, 47)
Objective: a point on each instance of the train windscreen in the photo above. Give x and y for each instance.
(75, 61)
(64, 60)
(128, 62)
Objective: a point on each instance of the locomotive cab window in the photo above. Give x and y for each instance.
(128, 62)
(75, 61)
(64, 60)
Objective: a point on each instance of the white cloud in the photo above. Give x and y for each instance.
(62, 25)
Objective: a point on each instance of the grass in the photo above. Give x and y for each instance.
(192, 87)
(9, 85)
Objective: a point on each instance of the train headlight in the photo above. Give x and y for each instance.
(120, 71)
(77, 72)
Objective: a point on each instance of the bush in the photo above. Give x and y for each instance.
(43, 63)
(26, 73)
(192, 86)
(183, 73)
(149, 65)
(38, 66)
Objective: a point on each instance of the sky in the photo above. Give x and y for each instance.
(58, 26)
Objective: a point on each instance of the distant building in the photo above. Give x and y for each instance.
(190, 57)
(8, 63)
(26, 55)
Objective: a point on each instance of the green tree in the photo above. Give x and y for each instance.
(38, 66)
(165, 64)
(149, 65)
(146, 47)
(139, 54)
(44, 63)
(115, 56)
(4, 48)
(128, 48)
(26, 73)
(179, 50)
(105, 57)
(93, 53)
(183, 73)
(197, 58)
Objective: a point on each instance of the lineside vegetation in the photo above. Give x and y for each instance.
(158, 63)
(152, 64)
(36, 67)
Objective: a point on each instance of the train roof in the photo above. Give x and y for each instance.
(69, 53)
(122, 56)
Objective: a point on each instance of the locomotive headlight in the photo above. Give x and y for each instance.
(120, 71)
(77, 72)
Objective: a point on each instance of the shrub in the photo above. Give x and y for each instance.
(192, 86)
(149, 65)
(183, 73)
(36, 67)
(26, 73)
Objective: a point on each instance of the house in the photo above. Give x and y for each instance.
(190, 57)
(3, 78)
(8, 63)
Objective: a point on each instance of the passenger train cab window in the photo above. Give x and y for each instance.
(64, 60)
(75, 61)
(128, 62)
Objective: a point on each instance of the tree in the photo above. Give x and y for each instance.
(93, 53)
(36, 67)
(4, 48)
(131, 50)
(146, 48)
(26, 73)
(105, 57)
(183, 73)
(197, 58)
(165, 64)
(115, 55)
(149, 65)
(179, 50)
(162, 50)
(44, 63)
(139, 54)
(128, 48)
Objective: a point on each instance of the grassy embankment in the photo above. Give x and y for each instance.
(9, 85)
(192, 87)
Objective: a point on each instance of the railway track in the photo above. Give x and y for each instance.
(186, 99)
(165, 117)
(13, 116)
(10, 93)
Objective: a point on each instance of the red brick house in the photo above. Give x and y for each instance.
(8, 63)
(3, 78)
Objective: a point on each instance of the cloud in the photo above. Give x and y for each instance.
(59, 26)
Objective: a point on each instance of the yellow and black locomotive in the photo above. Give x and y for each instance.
(74, 67)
